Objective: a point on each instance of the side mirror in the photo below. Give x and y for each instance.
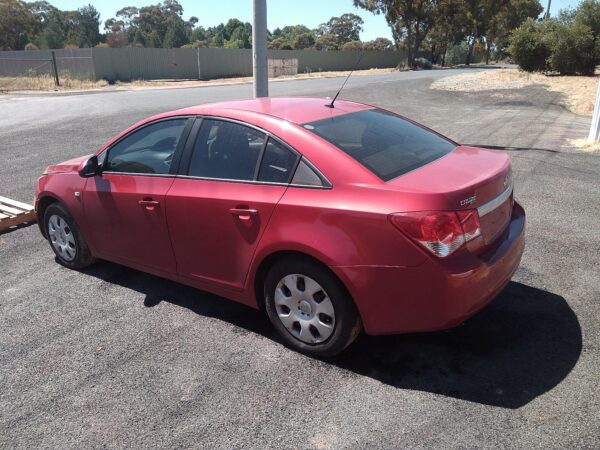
(90, 168)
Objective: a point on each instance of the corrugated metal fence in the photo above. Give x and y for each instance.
(158, 63)
(78, 62)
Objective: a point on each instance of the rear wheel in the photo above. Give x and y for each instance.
(310, 308)
(66, 240)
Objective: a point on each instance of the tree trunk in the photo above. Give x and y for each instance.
(444, 50)
(417, 45)
(487, 51)
(410, 47)
(470, 51)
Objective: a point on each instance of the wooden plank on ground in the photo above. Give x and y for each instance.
(13, 212)
(10, 210)
(15, 203)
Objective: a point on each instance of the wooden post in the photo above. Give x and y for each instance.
(198, 60)
(55, 69)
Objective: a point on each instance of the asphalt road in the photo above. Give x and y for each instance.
(111, 357)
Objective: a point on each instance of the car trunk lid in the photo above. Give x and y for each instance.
(468, 178)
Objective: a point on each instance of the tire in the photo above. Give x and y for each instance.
(66, 239)
(310, 308)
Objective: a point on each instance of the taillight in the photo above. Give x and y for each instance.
(440, 232)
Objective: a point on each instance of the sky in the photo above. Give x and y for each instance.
(280, 12)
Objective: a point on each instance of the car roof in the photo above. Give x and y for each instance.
(297, 110)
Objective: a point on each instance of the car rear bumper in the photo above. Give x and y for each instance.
(438, 294)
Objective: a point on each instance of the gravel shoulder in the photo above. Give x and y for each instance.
(579, 92)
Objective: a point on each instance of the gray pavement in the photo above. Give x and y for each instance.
(111, 357)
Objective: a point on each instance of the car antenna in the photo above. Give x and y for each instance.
(330, 105)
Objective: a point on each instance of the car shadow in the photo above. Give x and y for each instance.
(519, 347)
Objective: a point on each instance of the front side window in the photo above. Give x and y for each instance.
(149, 150)
(226, 150)
(386, 144)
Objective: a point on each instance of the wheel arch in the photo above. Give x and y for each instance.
(271, 259)
(42, 205)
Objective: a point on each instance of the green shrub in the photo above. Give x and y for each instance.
(457, 54)
(572, 50)
(528, 47)
(568, 45)
(353, 45)
(423, 63)
(588, 13)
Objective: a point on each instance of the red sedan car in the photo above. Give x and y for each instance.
(331, 219)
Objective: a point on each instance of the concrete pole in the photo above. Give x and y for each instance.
(595, 128)
(259, 49)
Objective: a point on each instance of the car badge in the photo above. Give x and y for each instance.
(468, 200)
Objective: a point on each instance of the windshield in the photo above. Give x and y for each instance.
(386, 144)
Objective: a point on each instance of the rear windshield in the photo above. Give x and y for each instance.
(384, 143)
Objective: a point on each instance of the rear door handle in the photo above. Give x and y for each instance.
(243, 213)
(150, 205)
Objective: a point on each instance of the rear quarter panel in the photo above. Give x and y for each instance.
(338, 228)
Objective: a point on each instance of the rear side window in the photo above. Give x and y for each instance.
(146, 151)
(226, 150)
(306, 176)
(277, 164)
(386, 144)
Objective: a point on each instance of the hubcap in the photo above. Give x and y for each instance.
(304, 308)
(61, 238)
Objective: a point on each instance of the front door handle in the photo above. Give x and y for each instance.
(243, 213)
(149, 204)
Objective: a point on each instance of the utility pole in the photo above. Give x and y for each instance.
(595, 128)
(547, 15)
(259, 49)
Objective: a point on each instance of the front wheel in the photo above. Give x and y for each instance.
(66, 240)
(310, 308)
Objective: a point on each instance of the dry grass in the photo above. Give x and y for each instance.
(340, 73)
(585, 146)
(46, 83)
(579, 92)
(174, 84)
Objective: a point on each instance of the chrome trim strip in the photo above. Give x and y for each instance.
(256, 182)
(495, 203)
(135, 174)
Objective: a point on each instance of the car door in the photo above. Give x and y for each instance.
(125, 205)
(218, 208)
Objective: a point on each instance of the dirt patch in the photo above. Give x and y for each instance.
(579, 92)
(585, 146)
